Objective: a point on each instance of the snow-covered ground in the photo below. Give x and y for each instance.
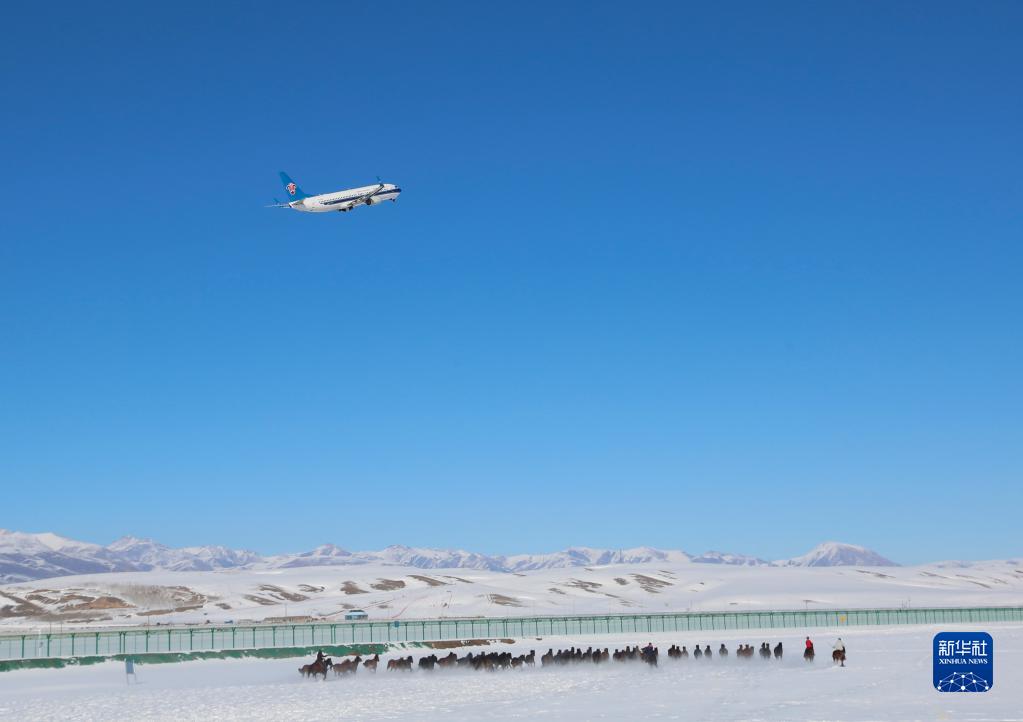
(399, 592)
(888, 677)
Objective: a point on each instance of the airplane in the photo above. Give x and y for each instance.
(342, 201)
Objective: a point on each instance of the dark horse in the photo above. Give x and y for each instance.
(808, 654)
(650, 656)
(317, 667)
(838, 656)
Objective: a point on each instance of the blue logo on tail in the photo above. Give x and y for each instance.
(292, 187)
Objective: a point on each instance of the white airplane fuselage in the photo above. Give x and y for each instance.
(347, 199)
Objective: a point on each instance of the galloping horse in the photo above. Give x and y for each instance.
(348, 666)
(402, 664)
(838, 656)
(808, 654)
(317, 667)
(650, 656)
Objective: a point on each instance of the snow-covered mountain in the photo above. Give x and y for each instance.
(331, 555)
(436, 558)
(147, 554)
(587, 557)
(325, 555)
(836, 554)
(25, 557)
(38, 556)
(744, 560)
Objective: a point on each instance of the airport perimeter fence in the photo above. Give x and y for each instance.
(214, 638)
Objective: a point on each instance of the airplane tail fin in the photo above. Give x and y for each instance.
(291, 188)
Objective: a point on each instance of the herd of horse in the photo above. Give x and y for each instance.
(493, 661)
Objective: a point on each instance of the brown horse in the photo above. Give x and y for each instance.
(372, 663)
(838, 656)
(348, 666)
(401, 664)
(318, 667)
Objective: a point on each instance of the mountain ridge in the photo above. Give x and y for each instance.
(28, 556)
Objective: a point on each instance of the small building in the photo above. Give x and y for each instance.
(355, 615)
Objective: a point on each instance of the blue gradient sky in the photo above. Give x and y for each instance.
(743, 278)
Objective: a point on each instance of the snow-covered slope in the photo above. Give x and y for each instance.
(836, 554)
(389, 591)
(24, 557)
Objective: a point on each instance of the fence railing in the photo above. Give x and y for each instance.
(162, 640)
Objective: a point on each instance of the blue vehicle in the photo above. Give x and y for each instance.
(355, 615)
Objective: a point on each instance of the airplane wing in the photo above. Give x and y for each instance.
(360, 200)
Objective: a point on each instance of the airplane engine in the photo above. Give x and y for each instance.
(370, 201)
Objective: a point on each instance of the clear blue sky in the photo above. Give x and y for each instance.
(744, 277)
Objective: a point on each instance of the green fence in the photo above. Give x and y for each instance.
(156, 640)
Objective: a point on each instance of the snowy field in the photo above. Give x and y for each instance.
(888, 677)
(399, 592)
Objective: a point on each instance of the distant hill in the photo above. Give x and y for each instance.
(836, 554)
(25, 556)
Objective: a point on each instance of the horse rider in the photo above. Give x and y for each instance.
(809, 644)
(839, 648)
(319, 657)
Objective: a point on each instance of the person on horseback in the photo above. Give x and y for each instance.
(839, 654)
(808, 653)
(319, 657)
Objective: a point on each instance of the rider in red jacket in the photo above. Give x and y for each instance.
(809, 644)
